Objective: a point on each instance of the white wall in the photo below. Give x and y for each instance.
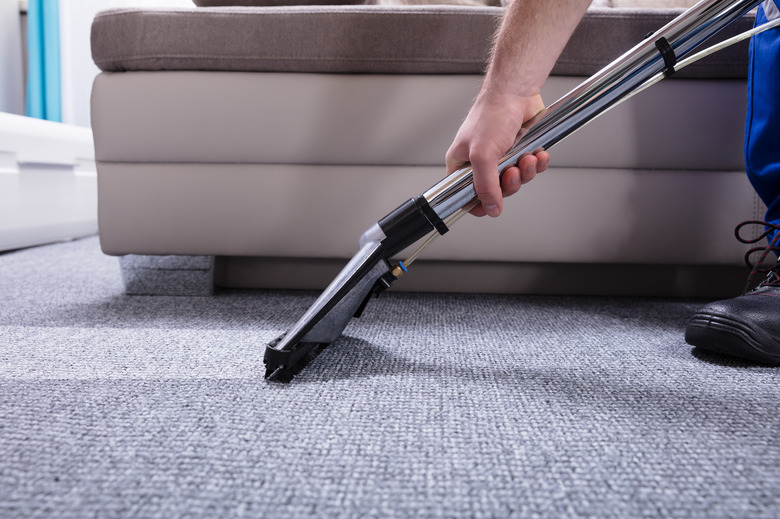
(48, 182)
(78, 70)
(11, 70)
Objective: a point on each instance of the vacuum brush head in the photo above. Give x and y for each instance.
(367, 274)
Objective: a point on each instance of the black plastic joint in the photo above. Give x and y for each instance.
(431, 215)
(667, 53)
(404, 226)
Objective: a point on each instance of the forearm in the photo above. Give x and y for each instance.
(531, 37)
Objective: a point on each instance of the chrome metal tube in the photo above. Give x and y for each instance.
(599, 93)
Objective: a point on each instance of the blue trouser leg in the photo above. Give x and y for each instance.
(762, 125)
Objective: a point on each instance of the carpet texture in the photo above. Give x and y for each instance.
(429, 406)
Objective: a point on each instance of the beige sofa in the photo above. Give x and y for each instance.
(251, 146)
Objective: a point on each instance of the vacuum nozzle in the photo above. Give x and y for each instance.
(367, 274)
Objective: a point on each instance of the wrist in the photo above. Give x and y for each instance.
(517, 105)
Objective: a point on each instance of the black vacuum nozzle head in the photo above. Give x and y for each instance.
(283, 365)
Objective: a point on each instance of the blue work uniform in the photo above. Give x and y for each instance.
(762, 124)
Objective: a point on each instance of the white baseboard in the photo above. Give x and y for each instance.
(48, 182)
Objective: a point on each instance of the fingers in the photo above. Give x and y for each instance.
(542, 161)
(487, 185)
(525, 171)
(530, 165)
(511, 180)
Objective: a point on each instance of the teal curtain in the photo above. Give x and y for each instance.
(43, 47)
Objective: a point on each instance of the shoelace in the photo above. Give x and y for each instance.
(773, 272)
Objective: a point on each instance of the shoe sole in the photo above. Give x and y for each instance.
(723, 334)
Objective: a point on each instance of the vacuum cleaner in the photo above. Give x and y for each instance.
(372, 270)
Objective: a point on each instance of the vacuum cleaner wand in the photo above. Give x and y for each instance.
(369, 272)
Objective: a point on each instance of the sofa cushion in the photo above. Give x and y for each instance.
(424, 39)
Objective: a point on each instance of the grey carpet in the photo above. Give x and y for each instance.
(430, 406)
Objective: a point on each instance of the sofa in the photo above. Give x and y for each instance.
(249, 146)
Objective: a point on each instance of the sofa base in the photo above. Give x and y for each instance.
(708, 281)
(203, 275)
(168, 275)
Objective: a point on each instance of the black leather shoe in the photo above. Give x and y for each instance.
(747, 326)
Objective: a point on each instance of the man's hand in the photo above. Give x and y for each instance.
(529, 41)
(491, 128)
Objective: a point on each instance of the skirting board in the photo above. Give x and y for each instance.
(48, 182)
